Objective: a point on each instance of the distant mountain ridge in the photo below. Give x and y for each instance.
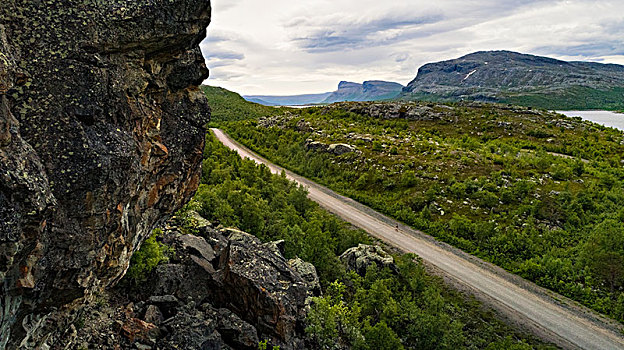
(511, 77)
(373, 90)
(294, 100)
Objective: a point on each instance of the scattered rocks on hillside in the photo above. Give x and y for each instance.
(502, 124)
(392, 110)
(304, 126)
(282, 121)
(271, 121)
(359, 258)
(366, 139)
(562, 123)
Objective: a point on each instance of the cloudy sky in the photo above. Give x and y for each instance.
(285, 47)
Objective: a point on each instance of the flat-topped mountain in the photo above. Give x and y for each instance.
(504, 76)
(368, 91)
(373, 90)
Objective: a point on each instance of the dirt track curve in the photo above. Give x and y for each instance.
(552, 317)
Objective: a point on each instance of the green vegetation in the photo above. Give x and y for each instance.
(534, 192)
(382, 310)
(263, 345)
(227, 105)
(237, 193)
(143, 261)
(573, 98)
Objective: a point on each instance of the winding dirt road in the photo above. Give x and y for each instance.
(552, 317)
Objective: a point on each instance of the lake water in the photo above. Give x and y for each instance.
(606, 118)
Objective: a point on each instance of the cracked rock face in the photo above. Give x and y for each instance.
(101, 133)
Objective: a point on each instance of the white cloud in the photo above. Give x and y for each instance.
(288, 47)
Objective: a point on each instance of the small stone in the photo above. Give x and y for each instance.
(153, 315)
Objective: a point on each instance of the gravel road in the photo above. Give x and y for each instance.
(552, 317)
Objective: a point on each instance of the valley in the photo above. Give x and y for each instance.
(511, 185)
(487, 76)
(390, 302)
(525, 305)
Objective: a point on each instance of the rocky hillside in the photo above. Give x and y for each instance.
(503, 76)
(368, 91)
(101, 138)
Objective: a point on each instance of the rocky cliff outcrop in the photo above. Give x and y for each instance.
(101, 134)
(393, 110)
(220, 289)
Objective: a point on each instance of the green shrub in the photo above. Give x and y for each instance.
(148, 257)
(380, 336)
(540, 134)
(263, 345)
(561, 173)
(377, 147)
(408, 179)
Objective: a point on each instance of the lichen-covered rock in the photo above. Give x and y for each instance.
(234, 331)
(153, 315)
(312, 145)
(359, 258)
(101, 136)
(341, 148)
(269, 293)
(198, 245)
(336, 148)
(308, 272)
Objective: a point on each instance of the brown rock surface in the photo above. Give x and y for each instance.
(101, 133)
